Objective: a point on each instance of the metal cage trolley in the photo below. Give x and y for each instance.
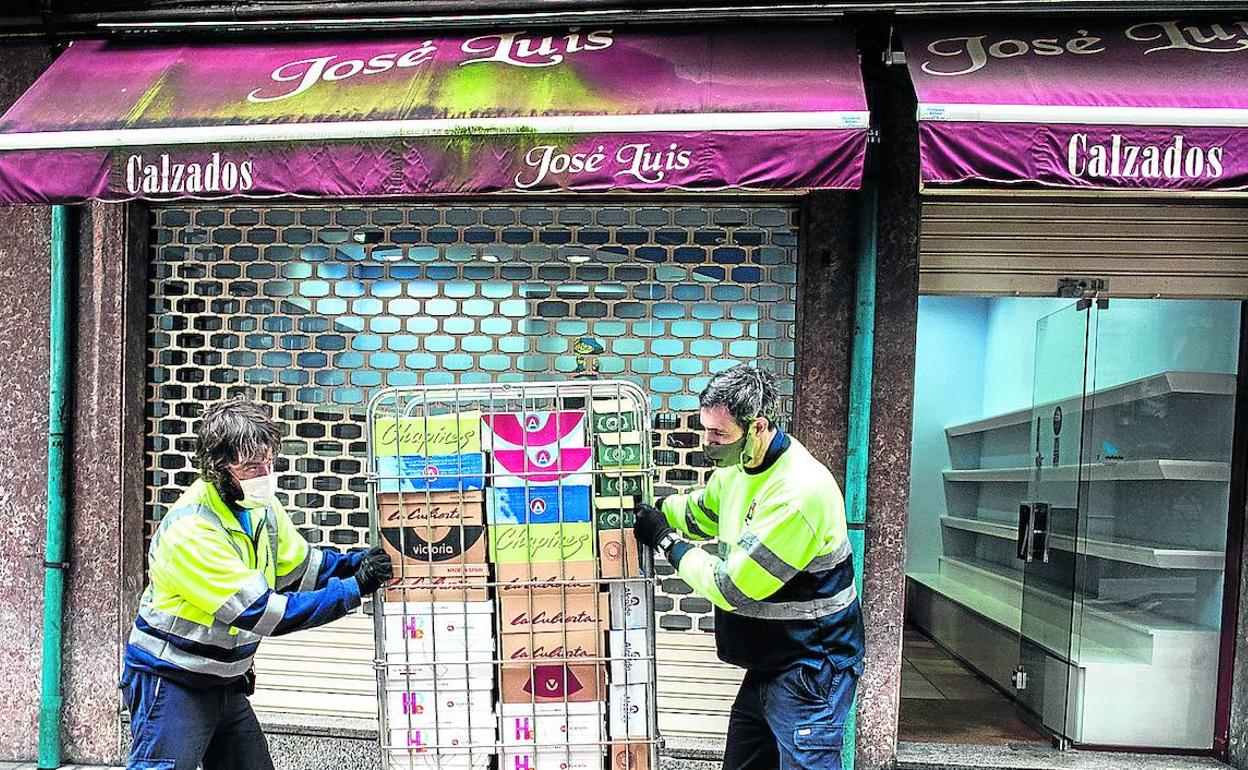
(519, 633)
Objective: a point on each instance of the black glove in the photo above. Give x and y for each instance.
(374, 571)
(651, 525)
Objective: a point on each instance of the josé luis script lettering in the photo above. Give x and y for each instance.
(641, 161)
(513, 48)
(964, 55)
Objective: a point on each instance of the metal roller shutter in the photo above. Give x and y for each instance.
(309, 307)
(1022, 243)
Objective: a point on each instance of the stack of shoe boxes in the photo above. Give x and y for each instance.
(619, 456)
(438, 618)
(542, 540)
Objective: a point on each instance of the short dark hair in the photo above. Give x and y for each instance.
(232, 431)
(746, 392)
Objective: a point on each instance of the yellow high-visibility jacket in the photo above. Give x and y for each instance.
(214, 590)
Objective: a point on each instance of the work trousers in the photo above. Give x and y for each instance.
(792, 719)
(175, 727)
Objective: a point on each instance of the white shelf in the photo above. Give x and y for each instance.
(1166, 383)
(1161, 557)
(1126, 470)
(998, 598)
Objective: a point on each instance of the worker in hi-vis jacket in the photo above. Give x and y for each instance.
(782, 582)
(226, 568)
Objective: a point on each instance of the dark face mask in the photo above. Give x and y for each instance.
(725, 455)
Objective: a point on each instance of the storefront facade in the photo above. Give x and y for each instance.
(1075, 531)
(438, 261)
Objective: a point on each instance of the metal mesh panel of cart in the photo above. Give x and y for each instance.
(519, 632)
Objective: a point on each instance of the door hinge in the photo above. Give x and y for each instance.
(1081, 288)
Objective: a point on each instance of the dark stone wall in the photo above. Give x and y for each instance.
(24, 237)
(896, 317)
(106, 529)
(826, 293)
(825, 317)
(100, 590)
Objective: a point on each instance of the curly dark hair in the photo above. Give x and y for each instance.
(229, 432)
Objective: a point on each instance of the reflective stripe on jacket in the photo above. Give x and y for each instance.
(214, 591)
(782, 582)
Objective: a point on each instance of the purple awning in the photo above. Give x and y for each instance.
(1158, 104)
(590, 109)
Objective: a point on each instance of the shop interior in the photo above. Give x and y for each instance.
(1067, 533)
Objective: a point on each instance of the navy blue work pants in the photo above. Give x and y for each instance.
(792, 719)
(175, 727)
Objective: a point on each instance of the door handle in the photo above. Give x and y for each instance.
(1026, 530)
(1033, 532)
(1040, 542)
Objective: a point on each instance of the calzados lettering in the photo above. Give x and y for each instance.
(164, 175)
(1121, 158)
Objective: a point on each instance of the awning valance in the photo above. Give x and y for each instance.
(589, 109)
(1117, 104)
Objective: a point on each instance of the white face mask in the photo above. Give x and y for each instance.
(258, 492)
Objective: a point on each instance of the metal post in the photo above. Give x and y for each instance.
(858, 447)
(63, 235)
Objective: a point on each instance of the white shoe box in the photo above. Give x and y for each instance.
(425, 709)
(544, 724)
(629, 709)
(444, 627)
(629, 651)
(551, 760)
(483, 739)
(431, 760)
(628, 605)
(470, 671)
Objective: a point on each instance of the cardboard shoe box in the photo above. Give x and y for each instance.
(553, 759)
(630, 653)
(524, 430)
(541, 543)
(613, 416)
(421, 531)
(615, 512)
(427, 435)
(439, 760)
(425, 708)
(620, 484)
(521, 612)
(542, 467)
(630, 756)
(438, 632)
(628, 711)
(628, 605)
(402, 673)
(538, 505)
(547, 577)
(436, 473)
(552, 724)
(446, 740)
(552, 682)
(621, 451)
(619, 555)
(552, 646)
(443, 584)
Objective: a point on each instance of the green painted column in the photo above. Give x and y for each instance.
(858, 443)
(63, 236)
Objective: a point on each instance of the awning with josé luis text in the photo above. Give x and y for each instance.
(1142, 104)
(591, 109)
